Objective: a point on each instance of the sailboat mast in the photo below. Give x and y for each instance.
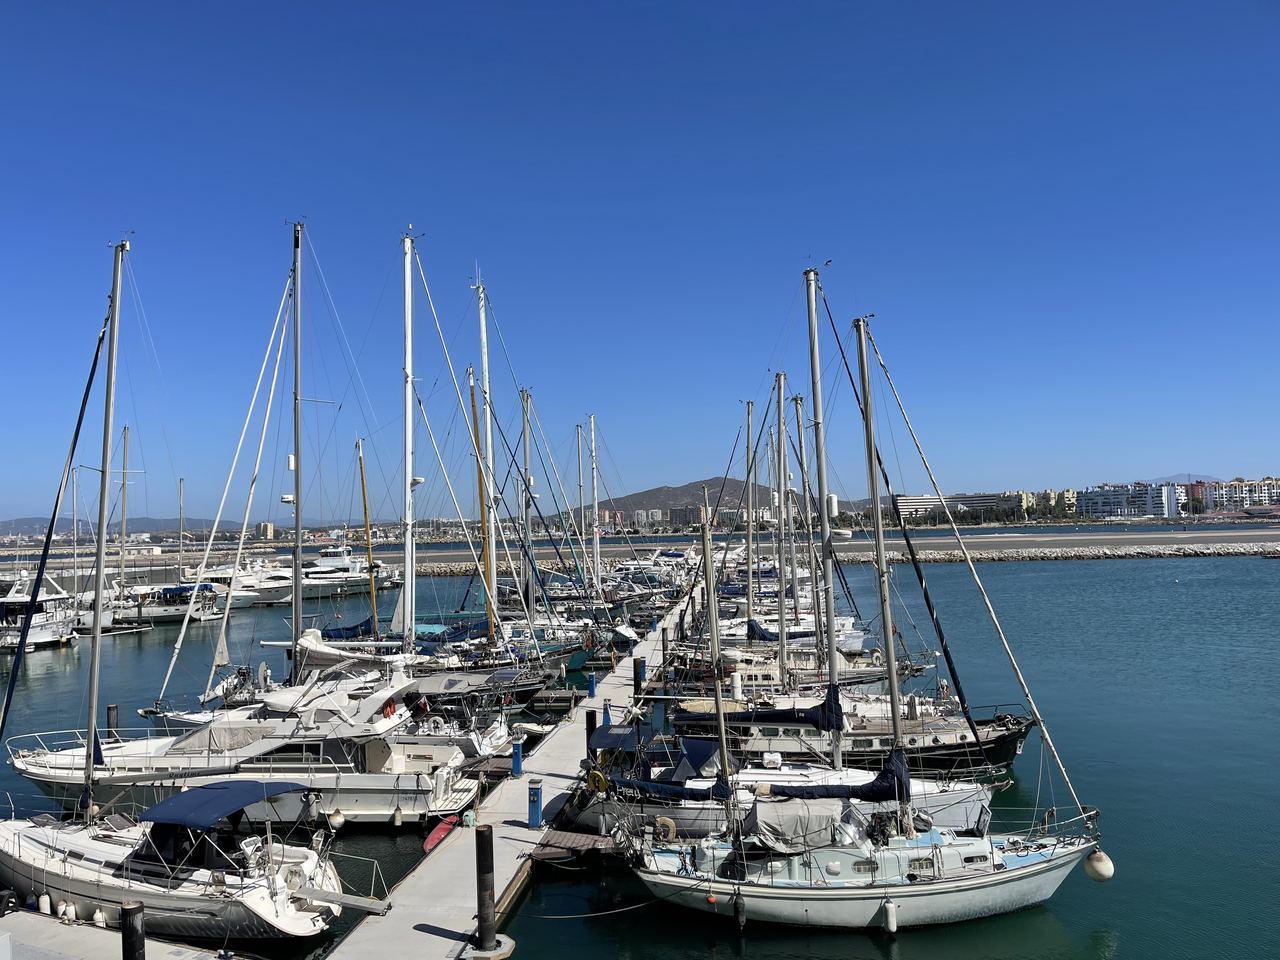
(75, 536)
(124, 497)
(181, 528)
(99, 568)
(408, 600)
(582, 503)
(751, 517)
(806, 515)
(713, 624)
(368, 540)
(824, 520)
(296, 591)
(527, 500)
(491, 537)
(595, 506)
(780, 478)
(877, 528)
(490, 612)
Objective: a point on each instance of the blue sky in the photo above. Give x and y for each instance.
(1063, 218)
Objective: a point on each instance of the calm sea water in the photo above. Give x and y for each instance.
(1157, 678)
(1158, 681)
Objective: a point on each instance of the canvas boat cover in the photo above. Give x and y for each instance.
(792, 826)
(201, 807)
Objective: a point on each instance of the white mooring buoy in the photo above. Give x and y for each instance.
(890, 916)
(99, 918)
(44, 904)
(1098, 866)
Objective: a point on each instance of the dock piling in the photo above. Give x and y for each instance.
(133, 936)
(486, 910)
(591, 728)
(113, 719)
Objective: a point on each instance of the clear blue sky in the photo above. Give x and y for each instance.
(1065, 220)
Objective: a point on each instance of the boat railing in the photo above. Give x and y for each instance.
(361, 876)
(29, 745)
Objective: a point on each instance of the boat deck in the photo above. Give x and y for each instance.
(434, 907)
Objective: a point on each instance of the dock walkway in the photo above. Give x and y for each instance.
(34, 936)
(433, 908)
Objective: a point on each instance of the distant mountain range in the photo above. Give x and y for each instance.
(725, 492)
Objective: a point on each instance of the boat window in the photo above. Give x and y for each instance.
(979, 859)
(921, 863)
(768, 731)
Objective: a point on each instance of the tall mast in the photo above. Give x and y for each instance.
(820, 458)
(595, 507)
(368, 541)
(882, 563)
(491, 539)
(582, 503)
(99, 568)
(490, 612)
(75, 534)
(780, 477)
(751, 517)
(297, 444)
(713, 623)
(124, 497)
(408, 595)
(806, 514)
(527, 500)
(181, 529)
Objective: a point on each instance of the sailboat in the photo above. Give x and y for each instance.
(193, 874)
(812, 858)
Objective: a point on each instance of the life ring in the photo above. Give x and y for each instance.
(596, 782)
(664, 829)
(389, 708)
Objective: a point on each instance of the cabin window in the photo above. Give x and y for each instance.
(768, 731)
(979, 859)
(864, 866)
(918, 864)
(862, 744)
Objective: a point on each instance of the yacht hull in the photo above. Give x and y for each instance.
(860, 908)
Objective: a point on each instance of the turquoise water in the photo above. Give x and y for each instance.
(1157, 679)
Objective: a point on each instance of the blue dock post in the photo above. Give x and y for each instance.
(606, 720)
(591, 684)
(517, 759)
(535, 803)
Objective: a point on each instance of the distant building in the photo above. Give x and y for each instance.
(657, 516)
(641, 517)
(1126, 501)
(958, 503)
(1235, 495)
(265, 530)
(687, 516)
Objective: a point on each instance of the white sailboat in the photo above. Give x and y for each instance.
(812, 859)
(189, 883)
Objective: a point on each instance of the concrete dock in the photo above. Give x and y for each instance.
(433, 908)
(34, 936)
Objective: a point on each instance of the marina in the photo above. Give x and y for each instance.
(652, 481)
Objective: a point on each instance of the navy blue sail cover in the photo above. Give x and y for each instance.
(201, 807)
(354, 632)
(893, 782)
(660, 790)
(826, 716)
(758, 633)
